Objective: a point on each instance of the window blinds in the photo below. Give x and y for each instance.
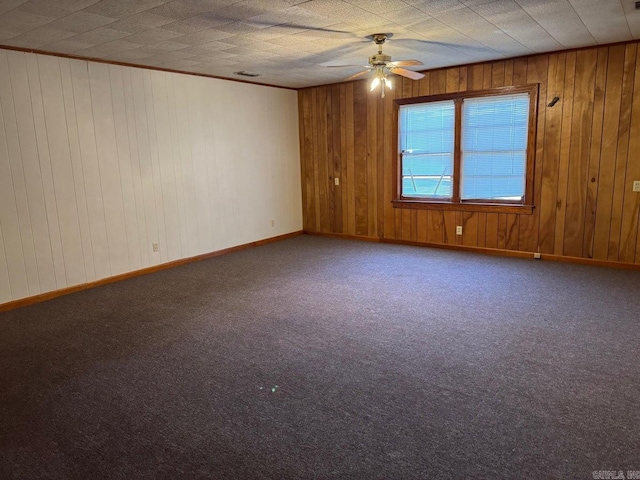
(494, 147)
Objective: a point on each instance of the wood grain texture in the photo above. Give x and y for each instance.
(578, 157)
(565, 149)
(595, 153)
(336, 117)
(529, 235)
(551, 154)
(307, 143)
(360, 120)
(584, 164)
(622, 152)
(371, 161)
(609, 150)
(629, 237)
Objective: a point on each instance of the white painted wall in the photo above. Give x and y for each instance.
(98, 161)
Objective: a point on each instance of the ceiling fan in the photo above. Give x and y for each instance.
(382, 65)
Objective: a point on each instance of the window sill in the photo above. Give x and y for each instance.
(464, 207)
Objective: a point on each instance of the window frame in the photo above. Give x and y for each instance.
(456, 203)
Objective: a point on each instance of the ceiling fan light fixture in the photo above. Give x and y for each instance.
(374, 83)
(380, 80)
(382, 66)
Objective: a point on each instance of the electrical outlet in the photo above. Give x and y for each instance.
(537, 256)
(155, 247)
(636, 186)
(459, 230)
(273, 223)
(336, 181)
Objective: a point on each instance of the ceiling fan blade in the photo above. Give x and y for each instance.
(405, 63)
(264, 23)
(342, 66)
(407, 73)
(300, 26)
(354, 76)
(433, 43)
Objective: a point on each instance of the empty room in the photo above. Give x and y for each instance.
(319, 239)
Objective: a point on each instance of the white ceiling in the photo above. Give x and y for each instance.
(291, 42)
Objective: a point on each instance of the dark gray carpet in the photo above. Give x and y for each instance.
(325, 358)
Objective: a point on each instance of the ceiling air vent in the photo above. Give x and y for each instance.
(246, 74)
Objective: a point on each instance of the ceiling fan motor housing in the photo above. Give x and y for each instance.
(379, 59)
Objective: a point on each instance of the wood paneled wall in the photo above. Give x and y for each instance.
(587, 156)
(97, 162)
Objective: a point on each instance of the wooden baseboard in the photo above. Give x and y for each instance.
(485, 251)
(23, 302)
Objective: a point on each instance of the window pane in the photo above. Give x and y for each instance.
(426, 143)
(427, 175)
(494, 147)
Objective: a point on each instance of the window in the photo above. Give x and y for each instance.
(469, 150)
(426, 145)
